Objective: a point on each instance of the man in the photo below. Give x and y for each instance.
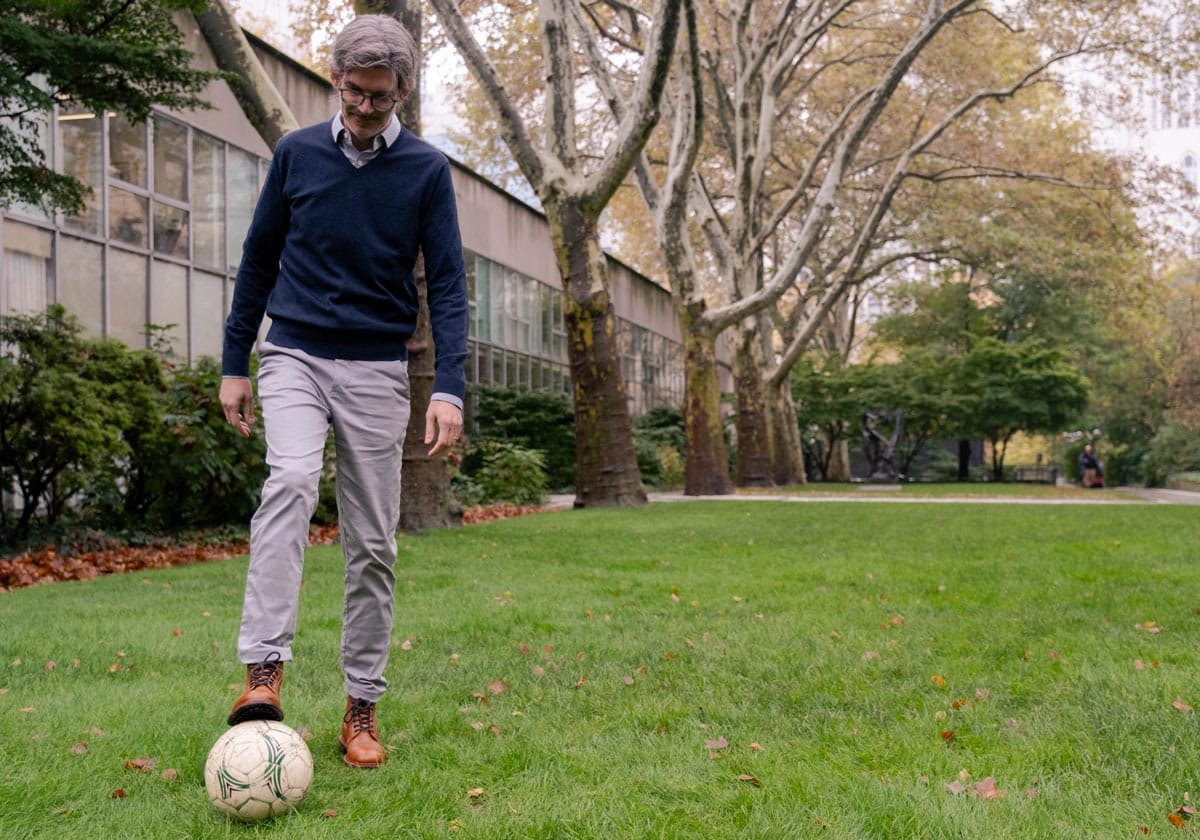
(1090, 471)
(329, 256)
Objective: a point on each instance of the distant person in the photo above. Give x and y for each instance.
(1091, 471)
(347, 206)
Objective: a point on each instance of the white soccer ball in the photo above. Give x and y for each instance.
(257, 770)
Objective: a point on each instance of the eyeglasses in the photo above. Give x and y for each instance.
(379, 101)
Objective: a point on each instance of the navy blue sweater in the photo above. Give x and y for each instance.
(330, 253)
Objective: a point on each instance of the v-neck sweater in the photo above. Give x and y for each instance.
(330, 253)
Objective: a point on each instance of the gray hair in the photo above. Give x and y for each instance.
(377, 41)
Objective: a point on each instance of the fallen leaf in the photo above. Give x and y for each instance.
(939, 681)
(170, 774)
(947, 735)
(329, 812)
(406, 644)
(119, 793)
(582, 680)
(475, 793)
(80, 748)
(176, 632)
(746, 777)
(718, 744)
(628, 680)
(141, 765)
(538, 671)
(27, 709)
(51, 665)
(1176, 820)
(956, 788)
(986, 789)
(497, 687)
(754, 745)
(1181, 706)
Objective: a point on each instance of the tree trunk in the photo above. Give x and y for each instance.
(425, 498)
(707, 469)
(606, 468)
(753, 444)
(253, 88)
(787, 453)
(839, 461)
(964, 460)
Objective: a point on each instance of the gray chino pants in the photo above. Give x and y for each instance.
(367, 404)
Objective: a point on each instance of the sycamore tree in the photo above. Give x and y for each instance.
(574, 173)
(815, 119)
(101, 55)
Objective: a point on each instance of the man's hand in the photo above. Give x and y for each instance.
(444, 420)
(237, 401)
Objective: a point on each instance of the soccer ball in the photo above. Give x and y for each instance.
(257, 770)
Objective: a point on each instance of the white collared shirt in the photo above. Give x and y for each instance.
(379, 142)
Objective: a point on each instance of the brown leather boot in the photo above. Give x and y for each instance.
(260, 700)
(360, 735)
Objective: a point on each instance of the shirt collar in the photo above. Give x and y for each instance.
(385, 138)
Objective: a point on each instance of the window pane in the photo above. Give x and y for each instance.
(127, 150)
(35, 125)
(82, 138)
(27, 267)
(168, 304)
(243, 194)
(127, 295)
(170, 159)
(81, 282)
(128, 217)
(208, 201)
(170, 230)
(498, 368)
(208, 314)
(483, 298)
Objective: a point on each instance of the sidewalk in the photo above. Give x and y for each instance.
(1146, 495)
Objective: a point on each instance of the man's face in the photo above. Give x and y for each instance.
(363, 121)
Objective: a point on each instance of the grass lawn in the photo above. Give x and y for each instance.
(949, 490)
(728, 669)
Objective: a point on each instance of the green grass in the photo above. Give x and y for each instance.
(812, 638)
(953, 489)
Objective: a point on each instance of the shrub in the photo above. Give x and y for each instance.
(537, 420)
(508, 473)
(69, 407)
(660, 444)
(1175, 449)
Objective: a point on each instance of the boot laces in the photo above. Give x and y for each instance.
(263, 673)
(361, 716)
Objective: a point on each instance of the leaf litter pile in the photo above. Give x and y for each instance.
(105, 557)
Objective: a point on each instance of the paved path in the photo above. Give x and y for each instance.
(1144, 495)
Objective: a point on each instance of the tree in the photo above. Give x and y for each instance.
(1023, 387)
(101, 55)
(574, 184)
(826, 114)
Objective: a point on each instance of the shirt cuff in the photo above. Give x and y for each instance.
(450, 398)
